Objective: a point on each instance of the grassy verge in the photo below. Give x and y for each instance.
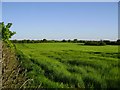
(12, 72)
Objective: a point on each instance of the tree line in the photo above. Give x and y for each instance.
(6, 34)
(85, 42)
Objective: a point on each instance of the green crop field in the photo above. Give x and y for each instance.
(62, 65)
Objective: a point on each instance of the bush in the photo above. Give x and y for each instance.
(95, 43)
(101, 43)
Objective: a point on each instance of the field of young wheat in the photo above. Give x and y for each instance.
(63, 65)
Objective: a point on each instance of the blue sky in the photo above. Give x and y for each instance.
(0, 18)
(60, 0)
(87, 20)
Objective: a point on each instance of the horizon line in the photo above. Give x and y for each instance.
(69, 39)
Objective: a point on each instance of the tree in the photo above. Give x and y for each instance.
(101, 43)
(0, 31)
(69, 40)
(118, 40)
(95, 43)
(44, 40)
(64, 40)
(6, 33)
(75, 40)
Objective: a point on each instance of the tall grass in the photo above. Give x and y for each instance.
(70, 65)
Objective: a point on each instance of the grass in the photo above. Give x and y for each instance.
(66, 65)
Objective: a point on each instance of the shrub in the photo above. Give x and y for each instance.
(95, 43)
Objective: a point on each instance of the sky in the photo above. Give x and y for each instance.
(59, 0)
(62, 20)
(0, 11)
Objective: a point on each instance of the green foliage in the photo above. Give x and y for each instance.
(0, 31)
(64, 40)
(6, 33)
(95, 43)
(75, 40)
(44, 40)
(92, 43)
(62, 65)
